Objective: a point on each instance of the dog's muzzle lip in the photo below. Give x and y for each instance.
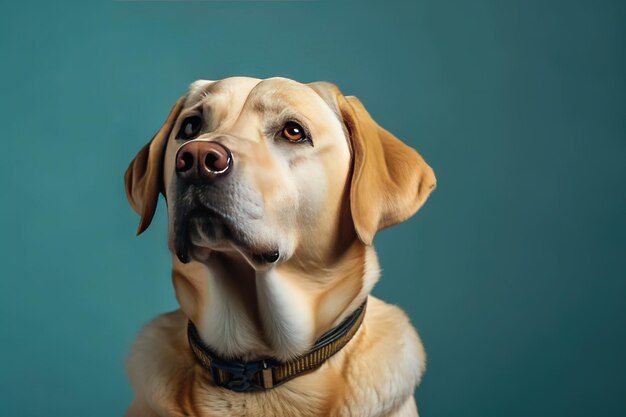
(182, 228)
(209, 216)
(267, 257)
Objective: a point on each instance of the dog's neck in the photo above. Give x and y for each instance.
(247, 314)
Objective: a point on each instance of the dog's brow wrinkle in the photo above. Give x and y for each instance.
(265, 106)
(259, 107)
(213, 88)
(270, 103)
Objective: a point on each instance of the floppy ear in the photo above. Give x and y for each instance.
(144, 176)
(390, 180)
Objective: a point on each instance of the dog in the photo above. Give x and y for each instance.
(275, 190)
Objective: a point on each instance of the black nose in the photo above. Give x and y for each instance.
(203, 160)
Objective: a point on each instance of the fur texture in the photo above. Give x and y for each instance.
(317, 203)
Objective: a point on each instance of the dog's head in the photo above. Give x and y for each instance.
(273, 168)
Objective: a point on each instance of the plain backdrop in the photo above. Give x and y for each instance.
(514, 272)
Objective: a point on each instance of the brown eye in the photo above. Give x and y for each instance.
(190, 127)
(293, 132)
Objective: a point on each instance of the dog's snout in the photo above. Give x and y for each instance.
(203, 160)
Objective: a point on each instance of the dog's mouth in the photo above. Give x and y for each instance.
(193, 226)
(200, 226)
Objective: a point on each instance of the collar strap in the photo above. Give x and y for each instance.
(267, 373)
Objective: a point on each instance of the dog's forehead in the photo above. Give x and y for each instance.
(235, 87)
(274, 94)
(263, 94)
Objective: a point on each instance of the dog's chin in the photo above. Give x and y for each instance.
(206, 233)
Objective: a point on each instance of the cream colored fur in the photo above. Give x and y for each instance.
(320, 205)
(374, 375)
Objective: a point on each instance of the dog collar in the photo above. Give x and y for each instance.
(267, 373)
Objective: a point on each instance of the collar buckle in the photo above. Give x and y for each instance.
(265, 374)
(267, 377)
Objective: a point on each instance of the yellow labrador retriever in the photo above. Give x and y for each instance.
(275, 190)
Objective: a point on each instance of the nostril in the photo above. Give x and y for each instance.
(216, 161)
(184, 162)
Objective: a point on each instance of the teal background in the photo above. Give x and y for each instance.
(514, 272)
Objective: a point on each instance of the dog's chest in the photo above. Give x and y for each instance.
(372, 376)
(307, 398)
